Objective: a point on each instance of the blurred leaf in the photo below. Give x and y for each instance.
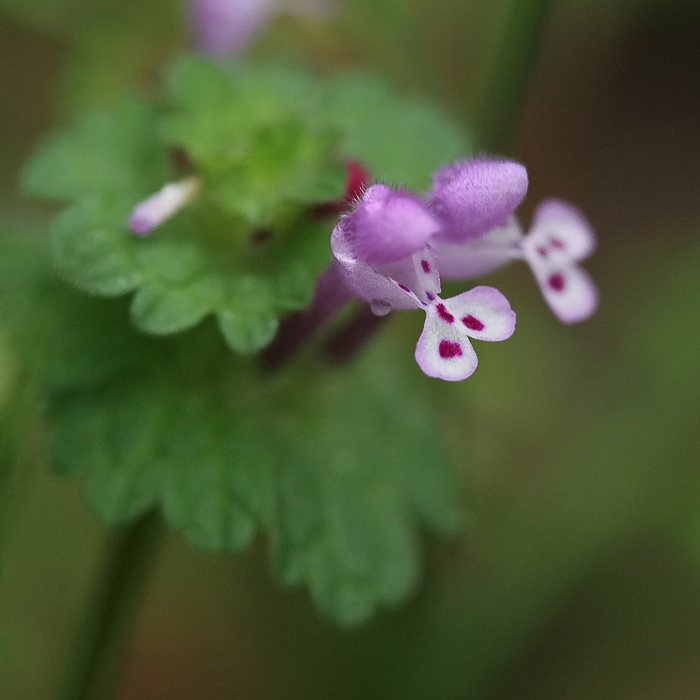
(399, 141)
(339, 467)
(362, 462)
(107, 154)
(248, 332)
(60, 336)
(161, 310)
(91, 250)
(146, 441)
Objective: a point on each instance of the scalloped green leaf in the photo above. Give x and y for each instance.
(107, 154)
(92, 251)
(250, 323)
(142, 442)
(347, 503)
(63, 337)
(331, 464)
(161, 310)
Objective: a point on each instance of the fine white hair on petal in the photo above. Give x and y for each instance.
(569, 292)
(388, 226)
(472, 196)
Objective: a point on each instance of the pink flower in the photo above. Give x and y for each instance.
(473, 196)
(444, 349)
(222, 27)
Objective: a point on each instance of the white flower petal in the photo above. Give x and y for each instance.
(482, 313)
(559, 235)
(569, 292)
(159, 207)
(482, 255)
(419, 273)
(444, 350)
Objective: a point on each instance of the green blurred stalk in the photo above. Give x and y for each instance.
(510, 74)
(102, 641)
(19, 436)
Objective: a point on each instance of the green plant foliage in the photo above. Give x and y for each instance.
(144, 399)
(266, 143)
(338, 467)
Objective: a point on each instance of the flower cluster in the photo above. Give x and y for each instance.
(391, 249)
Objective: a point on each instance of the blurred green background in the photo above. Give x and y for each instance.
(579, 572)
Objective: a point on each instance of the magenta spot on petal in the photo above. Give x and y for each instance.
(444, 314)
(557, 282)
(426, 266)
(542, 251)
(431, 297)
(473, 323)
(405, 288)
(556, 243)
(449, 349)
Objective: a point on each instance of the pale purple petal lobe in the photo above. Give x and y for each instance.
(388, 225)
(224, 27)
(481, 256)
(559, 234)
(365, 281)
(472, 197)
(569, 292)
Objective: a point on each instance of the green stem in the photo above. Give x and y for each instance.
(102, 640)
(19, 426)
(511, 73)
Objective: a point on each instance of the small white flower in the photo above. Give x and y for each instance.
(152, 212)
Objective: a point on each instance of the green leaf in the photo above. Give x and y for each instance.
(266, 143)
(250, 322)
(144, 442)
(161, 310)
(258, 142)
(62, 337)
(399, 141)
(333, 465)
(359, 452)
(94, 252)
(109, 154)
